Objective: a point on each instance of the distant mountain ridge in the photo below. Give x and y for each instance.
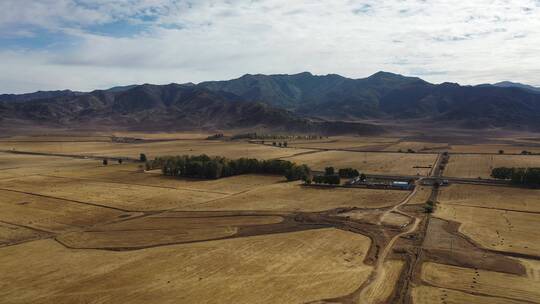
(302, 102)
(172, 107)
(509, 84)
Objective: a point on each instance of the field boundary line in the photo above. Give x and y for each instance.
(68, 200)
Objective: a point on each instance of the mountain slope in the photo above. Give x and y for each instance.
(172, 106)
(296, 102)
(388, 96)
(311, 95)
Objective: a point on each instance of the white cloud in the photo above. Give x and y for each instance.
(468, 42)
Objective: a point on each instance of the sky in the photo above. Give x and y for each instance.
(96, 44)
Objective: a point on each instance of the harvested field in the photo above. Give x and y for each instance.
(284, 268)
(500, 230)
(422, 195)
(418, 146)
(370, 162)
(345, 142)
(76, 231)
(498, 285)
(474, 166)
(427, 295)
(123, 175)
(294, 197)
(163, 229)
(504, 198)
(109, 194)
(13, 234)
(54, 215)
(19, 165)
(495, 148)
(159, 148)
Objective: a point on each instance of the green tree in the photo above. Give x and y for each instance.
(329, 171)
(142, 157)
(502, 173)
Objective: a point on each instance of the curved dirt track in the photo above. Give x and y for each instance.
(378, 270)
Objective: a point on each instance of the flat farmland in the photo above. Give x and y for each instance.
(129, 174)
(344, 142)
(500, 286)
(13, 234)
(109, 194)
(500, 230)
(73, 230)
(233, 149)
(19, 165)
(294, 197)
(504, 198)
(282, 268)
(173, 228)
(418, 146)
(369, 162)
(473, 166)
(425, 294)
(54, 215)
(495, 148)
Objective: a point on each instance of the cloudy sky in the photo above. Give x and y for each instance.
(89, 44)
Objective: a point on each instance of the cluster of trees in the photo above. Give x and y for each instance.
(525, 152)
(348, 173)
(204, 166)
(215, 136)
(520, 176)
(330, 177)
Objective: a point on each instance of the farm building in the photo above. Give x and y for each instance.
(401, 185)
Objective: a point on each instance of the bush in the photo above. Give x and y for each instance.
(105, 162)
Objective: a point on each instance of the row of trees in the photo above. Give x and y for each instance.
(255, 135)
(520, 176)
(204, 166)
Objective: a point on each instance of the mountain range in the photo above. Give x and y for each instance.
(329, 104)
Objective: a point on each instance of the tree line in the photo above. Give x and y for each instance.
(204, 166)
(520, 176)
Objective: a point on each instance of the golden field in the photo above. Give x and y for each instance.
(73, 230)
